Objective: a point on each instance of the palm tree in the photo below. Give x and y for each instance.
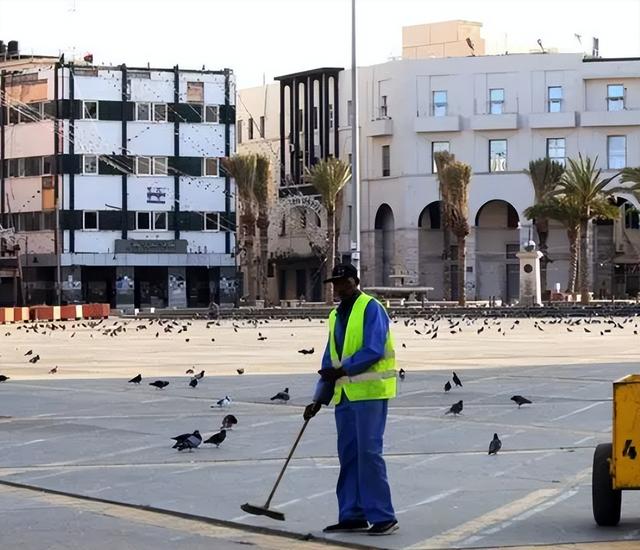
(545, 176)
(455, 177)
(442, 159)
(329, 176)
(631, 175)
(242, 168)
(582, 185)
(261, 192)
(566, 212)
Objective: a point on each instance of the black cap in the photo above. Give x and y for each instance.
(343, 271)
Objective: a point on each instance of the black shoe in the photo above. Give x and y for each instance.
(348, 526)
(383, 528)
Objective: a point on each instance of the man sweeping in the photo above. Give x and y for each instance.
(358, 375)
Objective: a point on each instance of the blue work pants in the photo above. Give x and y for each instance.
(363, 490)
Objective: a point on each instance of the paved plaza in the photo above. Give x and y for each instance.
(85, 432)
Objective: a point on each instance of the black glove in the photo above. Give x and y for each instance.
(331, 375)
(311, 410)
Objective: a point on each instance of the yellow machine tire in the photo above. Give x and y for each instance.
(606, 501)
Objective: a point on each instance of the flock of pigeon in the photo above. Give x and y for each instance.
(458, 406)
(432, 325)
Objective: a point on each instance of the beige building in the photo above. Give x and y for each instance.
(495, 113)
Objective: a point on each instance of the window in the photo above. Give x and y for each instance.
(349, 112)
(262, 127)
(47, 165)
(616, 152)
(300, 120)
(383, 106)
(615, 97)
(330, 115)
(90, 221)
(315, 118)
(143, 221)
(554, 99)
(210, 167)
(496, 101)
(211, 113)
(386, 160)
(143, 111)
(556, 150)
(160, 112)
(195, 92)
(211, 221)
(89, 164)
(14, 115)
(90, 110)
(436, 147)
(250, 129)
(439, 103)
(159, 166)
(16, 168)
(160, 221)
(512, 250)
(239, 130)
(497, 155)
(33, 166)
(143, 166)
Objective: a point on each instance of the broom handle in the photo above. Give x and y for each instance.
(295, 444)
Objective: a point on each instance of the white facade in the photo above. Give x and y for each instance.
(537, 105)
(136, 164)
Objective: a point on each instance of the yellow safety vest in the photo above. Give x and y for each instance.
(379, 380)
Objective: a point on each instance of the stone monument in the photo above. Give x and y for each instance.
(530, 291)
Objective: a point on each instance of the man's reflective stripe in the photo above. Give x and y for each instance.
(387, 355)
(366, 376)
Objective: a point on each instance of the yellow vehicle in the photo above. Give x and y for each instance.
(616, 465)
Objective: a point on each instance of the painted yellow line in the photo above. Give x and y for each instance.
(499, 515)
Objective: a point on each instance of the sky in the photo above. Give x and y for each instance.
(261, 39)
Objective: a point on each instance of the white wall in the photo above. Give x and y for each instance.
(88, 198)
(150, 138)
(97, 136)
(31, 139)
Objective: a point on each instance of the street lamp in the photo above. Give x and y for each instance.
(355, 149)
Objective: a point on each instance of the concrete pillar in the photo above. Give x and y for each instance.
(407, 253)
(177, 285)
(125, 287)
(71, 284)
(471, 264)
(530, 292)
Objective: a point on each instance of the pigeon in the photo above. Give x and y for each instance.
(520, 400)
(228, 422)
(281, 395)
(261, 338)
(54, 370)
(240, 371)
(224, 402)
(34, 359)
(199, 376)
(435, 335)
(135, 379)
(193, 382)
(187, 441)
(456, 408)
(404, 345)
(456, 380)
(447, 386)
(306, 351)
(28, 353)
(3, 378)
(217, 438)
(401, 374)
(160, 384)
(495, 445)
(189, 371)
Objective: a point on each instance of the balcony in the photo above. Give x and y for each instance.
(610, 118)
(553, 120)
(380, 127)
(505, 121)
(448, 123)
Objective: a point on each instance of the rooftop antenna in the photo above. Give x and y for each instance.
(595, 51)
(578, 38)
(541, 46)
(471, 46)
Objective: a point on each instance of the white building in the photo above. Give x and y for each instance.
(111, 177)
(496, 113)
